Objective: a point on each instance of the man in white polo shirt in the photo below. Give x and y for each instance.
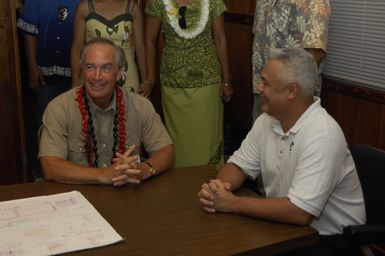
(300, 153)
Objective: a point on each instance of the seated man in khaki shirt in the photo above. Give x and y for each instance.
(93, 133)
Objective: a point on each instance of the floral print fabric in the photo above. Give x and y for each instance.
(288, 23)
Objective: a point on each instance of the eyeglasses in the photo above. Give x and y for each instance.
(182, 19)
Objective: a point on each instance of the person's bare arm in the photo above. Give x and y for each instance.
(78, 41)
(35, 75)
(216, 196)
(138, 29)
(152, 29)
(276, 209)
(63, 171)
(222, 54)
(232, 174)
(163, 159)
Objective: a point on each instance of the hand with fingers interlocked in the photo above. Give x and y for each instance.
(128, 168)
(216, 196)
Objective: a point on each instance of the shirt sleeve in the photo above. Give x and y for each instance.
(248, 156)
(53, 133)
(154, 8)
(28, 21)
(218, 7)
(313, 17)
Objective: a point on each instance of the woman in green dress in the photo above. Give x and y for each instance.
(194, 74)
(120, 21)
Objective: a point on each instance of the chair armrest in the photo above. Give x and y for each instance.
(365, 234)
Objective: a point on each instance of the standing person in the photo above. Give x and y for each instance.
(194, 74)
(47, 28)
(120, 21)
(281, 24)
(300, 153)
(87, 127)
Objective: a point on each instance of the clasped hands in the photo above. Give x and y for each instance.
(127, 168)
(216, 196)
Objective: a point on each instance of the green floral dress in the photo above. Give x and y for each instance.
(190, 76)
(119, 30)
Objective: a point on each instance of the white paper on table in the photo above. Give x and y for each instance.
(53, 224)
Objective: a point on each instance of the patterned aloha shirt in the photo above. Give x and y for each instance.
(288, 23)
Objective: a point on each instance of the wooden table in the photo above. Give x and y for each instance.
(162, 216)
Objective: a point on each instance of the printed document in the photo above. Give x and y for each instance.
(54, 224)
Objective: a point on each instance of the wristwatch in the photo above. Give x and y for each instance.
(152, 170)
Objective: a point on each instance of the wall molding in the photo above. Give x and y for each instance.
(347, 88)
(244, 19)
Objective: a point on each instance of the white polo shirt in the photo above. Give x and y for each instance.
(310, 164)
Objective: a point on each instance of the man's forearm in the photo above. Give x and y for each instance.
(63, 171)
(232, 174)
(275, 209)
(163, 159)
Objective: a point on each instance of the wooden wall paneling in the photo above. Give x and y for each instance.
(359, 111)
(12, 147)
(382, 129)
(237, 116)
(241, 6)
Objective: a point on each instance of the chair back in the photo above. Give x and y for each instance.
(370, 164)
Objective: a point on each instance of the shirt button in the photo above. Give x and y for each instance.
(104, 145)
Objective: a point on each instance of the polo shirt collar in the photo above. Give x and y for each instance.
(304, 118)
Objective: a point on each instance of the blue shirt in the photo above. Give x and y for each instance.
(40, 18)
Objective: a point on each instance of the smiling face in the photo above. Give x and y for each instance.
(274, 92)
(100, 73)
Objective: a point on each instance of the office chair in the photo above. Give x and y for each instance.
(370, 164)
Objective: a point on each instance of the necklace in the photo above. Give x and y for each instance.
(88, 130)
(187, 33)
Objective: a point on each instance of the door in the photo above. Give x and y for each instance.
(12, 147)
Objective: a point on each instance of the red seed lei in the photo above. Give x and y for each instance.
(88, 131)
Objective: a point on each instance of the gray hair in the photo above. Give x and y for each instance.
(300, 68)
(120, 55)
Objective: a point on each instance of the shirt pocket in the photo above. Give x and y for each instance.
(77, 153)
